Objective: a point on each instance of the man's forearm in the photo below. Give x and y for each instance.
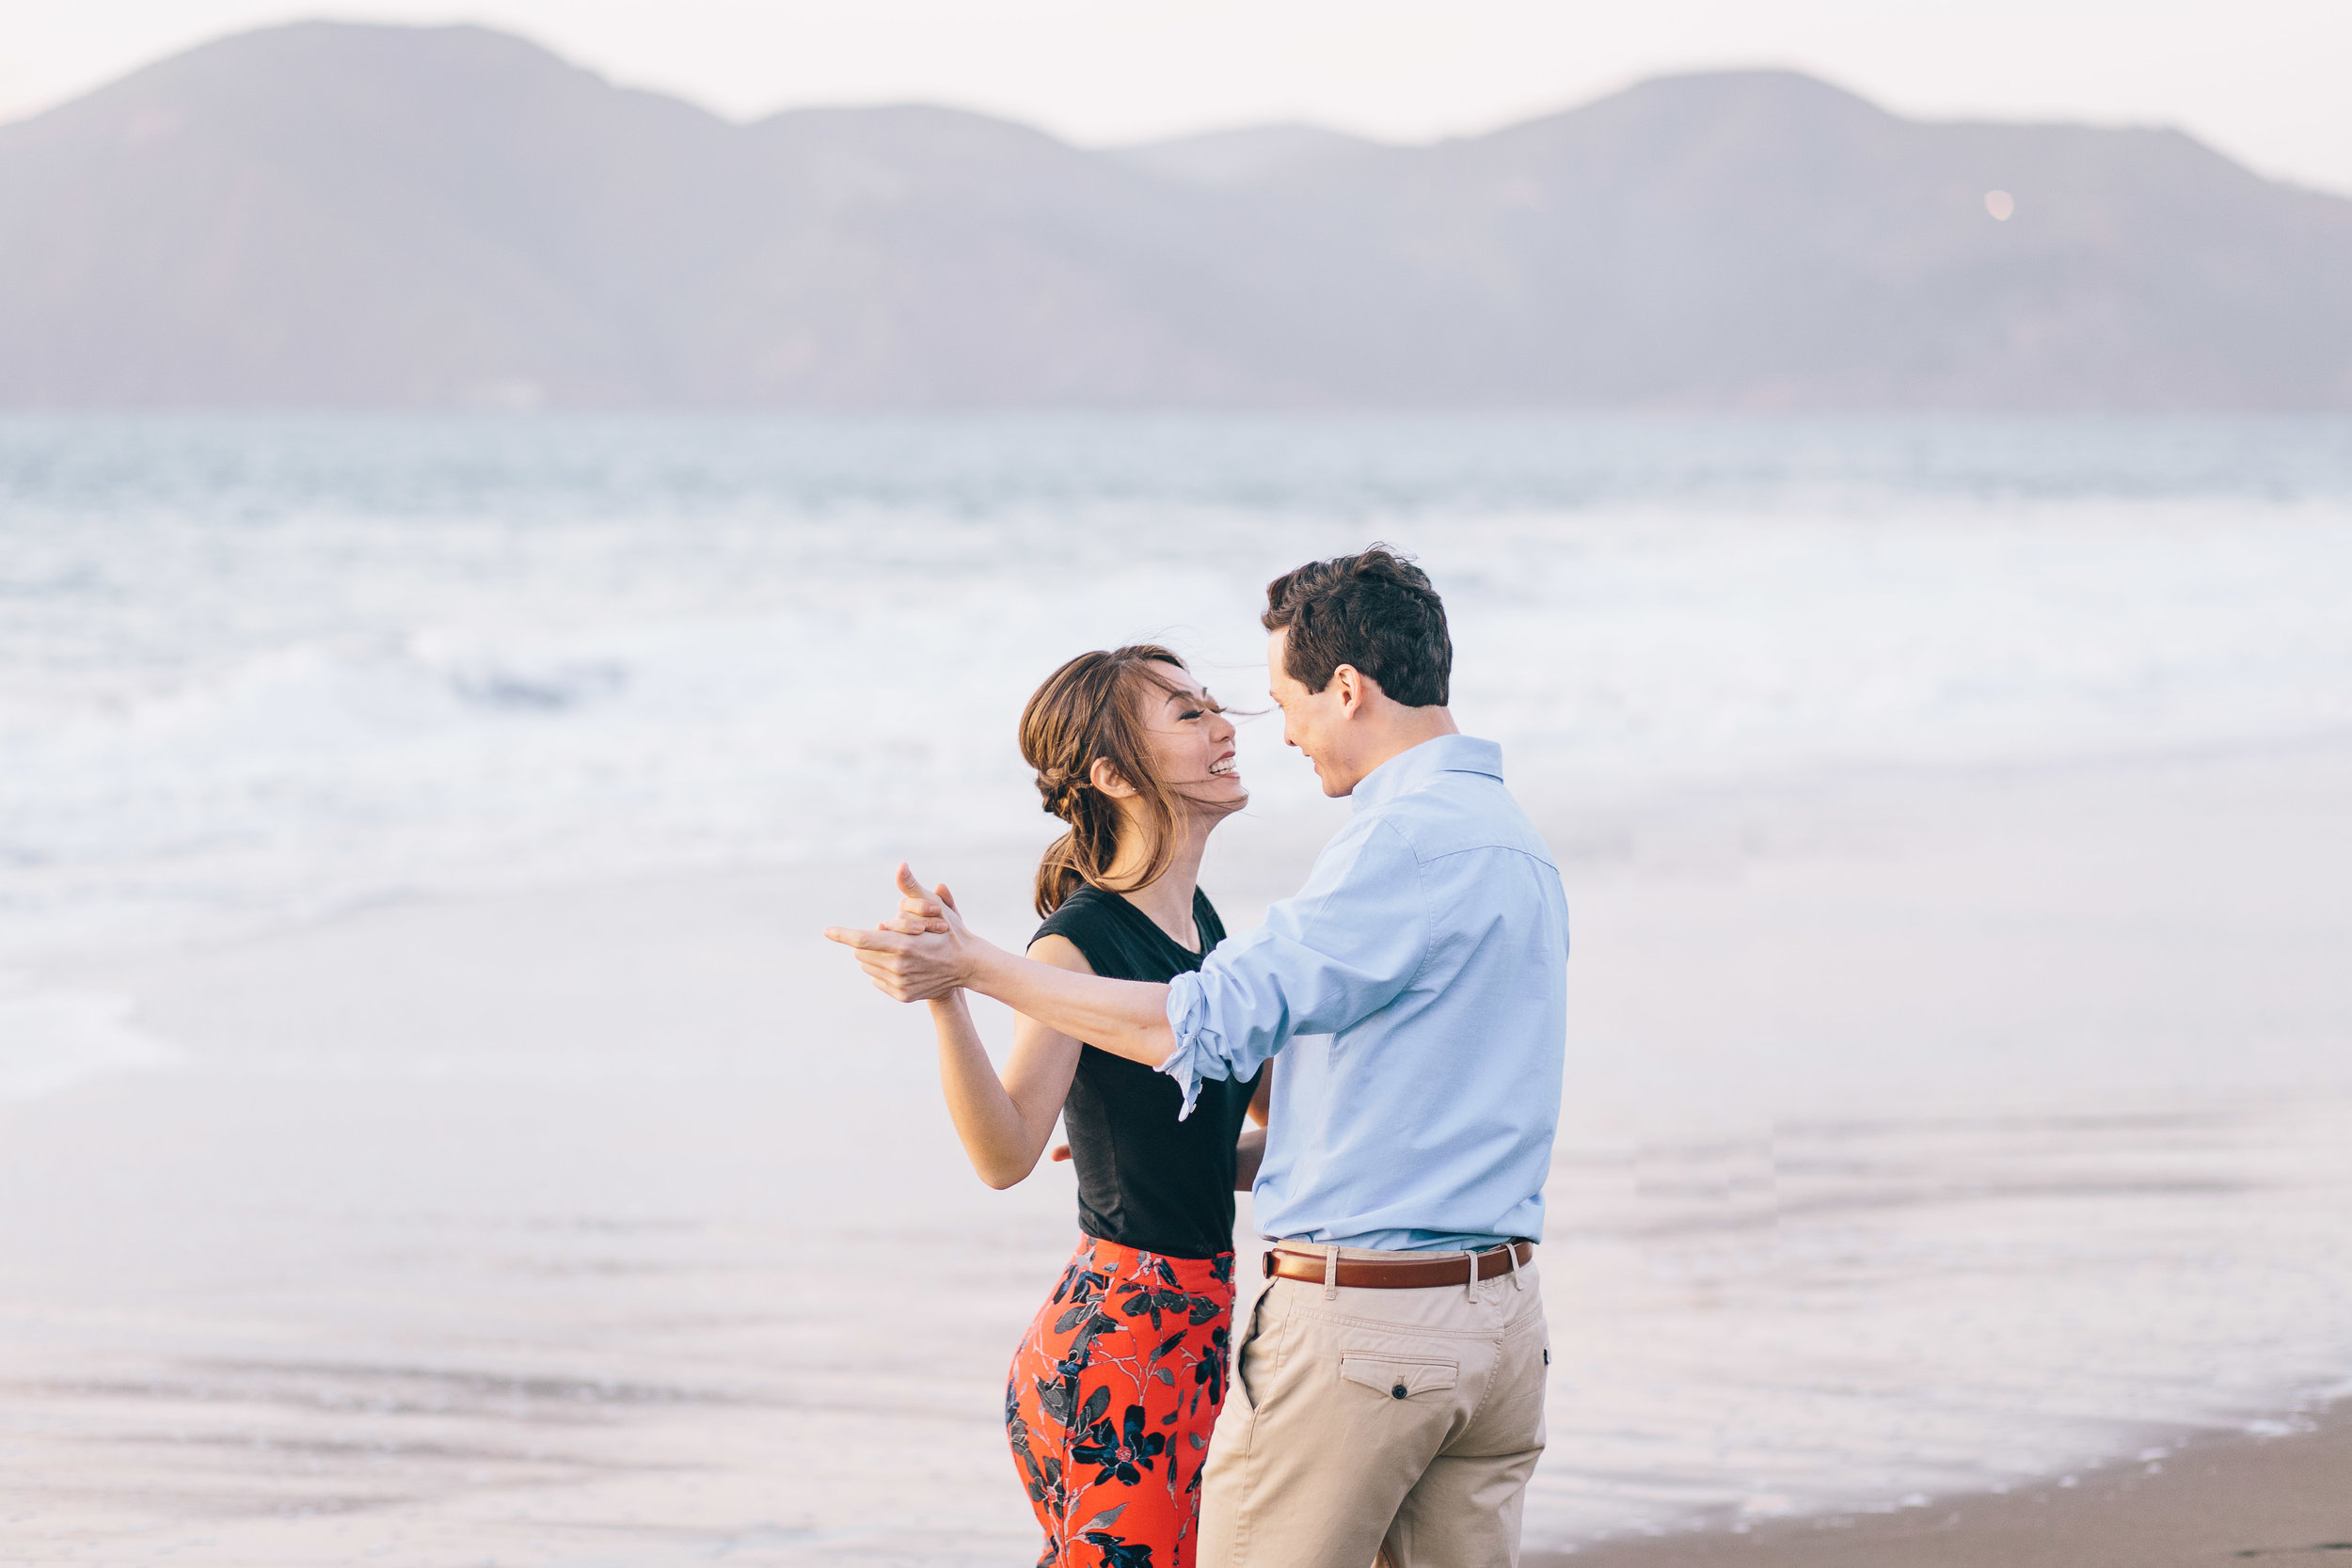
(1126, 1018)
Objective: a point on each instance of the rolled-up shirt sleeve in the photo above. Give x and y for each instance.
(1344, 948)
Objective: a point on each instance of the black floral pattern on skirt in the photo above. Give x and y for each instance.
(1111, 1399)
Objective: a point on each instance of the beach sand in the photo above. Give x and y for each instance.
(2284, 1500)
(621, 1224)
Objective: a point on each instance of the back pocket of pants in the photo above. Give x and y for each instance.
(1398, 1377)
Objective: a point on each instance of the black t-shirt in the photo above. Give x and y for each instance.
(1145, 1180)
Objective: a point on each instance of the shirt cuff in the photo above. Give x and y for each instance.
(1194, 1056)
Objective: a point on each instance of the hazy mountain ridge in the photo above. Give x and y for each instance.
(1247, 154)
(352, 215)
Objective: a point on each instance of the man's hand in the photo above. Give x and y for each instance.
(923, 952)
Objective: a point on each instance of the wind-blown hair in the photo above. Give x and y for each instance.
(1093, 708)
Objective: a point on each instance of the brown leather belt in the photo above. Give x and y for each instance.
(1395, 1274)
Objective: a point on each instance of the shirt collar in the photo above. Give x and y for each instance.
(1415, 767)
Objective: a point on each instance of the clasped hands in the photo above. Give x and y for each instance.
(923, 952)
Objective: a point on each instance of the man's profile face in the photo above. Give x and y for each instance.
(1312, 720)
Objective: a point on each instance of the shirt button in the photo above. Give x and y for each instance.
(1397, 1392)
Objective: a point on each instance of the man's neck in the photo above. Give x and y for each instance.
(1400, 730)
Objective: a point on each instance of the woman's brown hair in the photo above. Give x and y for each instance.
(1094, 708)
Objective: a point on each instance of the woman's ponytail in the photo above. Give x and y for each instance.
(1058, 875)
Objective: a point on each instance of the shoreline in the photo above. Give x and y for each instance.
(2213, 1500)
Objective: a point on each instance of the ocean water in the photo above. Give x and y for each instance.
(250, 669)
(255, 671)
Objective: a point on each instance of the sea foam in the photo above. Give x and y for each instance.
(50, 1040)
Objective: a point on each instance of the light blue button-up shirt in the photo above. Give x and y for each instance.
(1416, 990)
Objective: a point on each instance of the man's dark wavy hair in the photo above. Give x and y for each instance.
(1374, 610)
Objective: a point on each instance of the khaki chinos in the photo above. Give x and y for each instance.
(1402, 1422)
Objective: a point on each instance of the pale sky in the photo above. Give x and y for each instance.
(2266, 81)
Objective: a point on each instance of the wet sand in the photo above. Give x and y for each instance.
(2212, 1502)
(622, 1224)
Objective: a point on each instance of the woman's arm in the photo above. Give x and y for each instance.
(1249, 1154)
(1249, 1148)
(1005, 1120)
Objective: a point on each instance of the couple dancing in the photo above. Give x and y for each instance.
(1396, 1029)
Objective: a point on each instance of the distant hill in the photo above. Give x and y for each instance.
(1247, 154)
(327, 215)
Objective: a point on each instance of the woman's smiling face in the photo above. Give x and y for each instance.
(1192, 744)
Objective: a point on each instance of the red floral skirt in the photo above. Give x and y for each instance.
(1112, 1396)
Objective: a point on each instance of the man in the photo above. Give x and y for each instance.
(1388, 1394)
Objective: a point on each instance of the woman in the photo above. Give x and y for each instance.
(1116, 1384)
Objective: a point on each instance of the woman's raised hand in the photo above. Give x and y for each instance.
(920, 912)
(918, 953)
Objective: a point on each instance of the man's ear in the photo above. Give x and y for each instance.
(1348, 685)
(1104, 777)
